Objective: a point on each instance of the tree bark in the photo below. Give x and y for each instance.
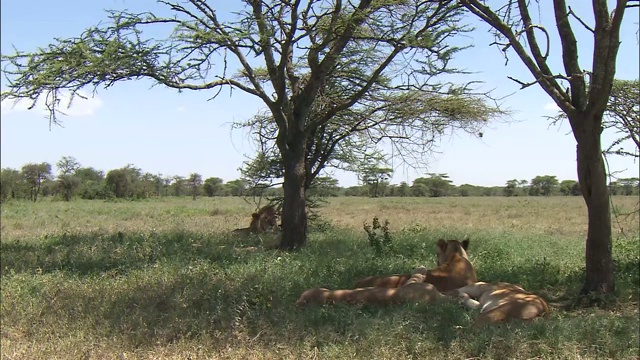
(593, 185)
(294, 214)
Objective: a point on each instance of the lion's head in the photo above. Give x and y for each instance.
(266, 219)
(446, 248)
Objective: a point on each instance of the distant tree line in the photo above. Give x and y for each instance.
(36, 180)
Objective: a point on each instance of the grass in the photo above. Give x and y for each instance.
(162, 279)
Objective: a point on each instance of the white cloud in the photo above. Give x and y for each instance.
(79, 107)
(10, 105)
(552, 107)
(181, 108)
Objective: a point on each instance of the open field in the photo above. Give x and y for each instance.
(161, 279)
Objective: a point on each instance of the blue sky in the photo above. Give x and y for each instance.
(162, 131)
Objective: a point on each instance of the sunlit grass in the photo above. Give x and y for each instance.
(161, 279)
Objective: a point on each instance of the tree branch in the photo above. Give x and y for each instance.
(572, 13)
(570, 56)
(529, 27)
(560, 97)
(606, 44)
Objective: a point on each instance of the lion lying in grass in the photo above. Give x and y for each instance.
(453, 271)
(414, 290)
(501, 301)
(265, 220)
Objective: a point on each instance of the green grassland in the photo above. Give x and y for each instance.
(162, 279)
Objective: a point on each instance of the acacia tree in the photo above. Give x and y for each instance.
(288, 54)
(213, 186)
(67, 181)
(543, 185)
(570, 187)
(511, 188)
(194, 182)
(10, 183)
(34, 175)
(583, 105)
(375, 177)
(436, 185)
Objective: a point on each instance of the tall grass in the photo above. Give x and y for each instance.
(161, 279)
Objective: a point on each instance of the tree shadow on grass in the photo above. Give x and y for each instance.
(88, 254)
(173, 286)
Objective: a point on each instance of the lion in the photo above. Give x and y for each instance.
(454, 270)
(500, 302)
(265, 220)
(414, 290)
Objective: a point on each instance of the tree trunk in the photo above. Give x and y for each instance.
(593, 185)
(294, 214)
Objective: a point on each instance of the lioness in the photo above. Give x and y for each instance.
(501, 301)
(415, 289)
(454, 270)
(266, 219)
(412, 292)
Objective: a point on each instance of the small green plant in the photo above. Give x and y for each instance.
(379, 242)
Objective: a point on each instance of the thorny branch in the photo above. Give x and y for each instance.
(575, 16)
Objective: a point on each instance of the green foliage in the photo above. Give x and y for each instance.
(67, 165)
(89, 174)
(323, 187)
(465, 190)
(213, 186)
(11, 184)
(379, 236)
(68, 184)
(403, 189)
(194, 182)
(178, 185)
(516, 187)
(376, 179)
(510, 189)
(436, 185)
(356, 191)
(34, 176)
(543, 185)
(67, 181)
(92, 184)
(89, 183)
(623, 116)
(122, 181)
(372, 170)
(626, 186)
(570, 187)
(236, 187)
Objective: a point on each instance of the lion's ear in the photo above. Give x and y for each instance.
(465, 244)
(442, 244)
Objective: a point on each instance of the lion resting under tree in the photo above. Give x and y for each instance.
(454, 276)
(414, 290)
(265, 220)
(501, 301)
(454, 270)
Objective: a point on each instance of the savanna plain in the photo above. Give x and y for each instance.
(163, 279)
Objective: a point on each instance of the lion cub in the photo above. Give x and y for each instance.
(501, 301)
